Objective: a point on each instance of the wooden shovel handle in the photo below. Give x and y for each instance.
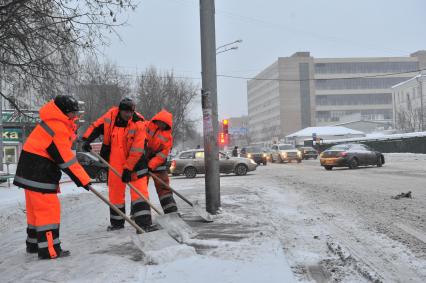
(130, 185)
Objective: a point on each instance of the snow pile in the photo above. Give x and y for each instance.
(246, 262)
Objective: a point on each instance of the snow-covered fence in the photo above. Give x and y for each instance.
(408, 142)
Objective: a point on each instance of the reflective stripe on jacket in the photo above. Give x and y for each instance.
(159, 143)
(134, 135)
(47, 151)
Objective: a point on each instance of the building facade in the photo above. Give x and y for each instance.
(301, 91)
(409, 104)
(238, 131)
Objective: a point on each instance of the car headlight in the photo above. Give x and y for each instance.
(299, 154)
(264, 155)
(284, 154)
(249, 155)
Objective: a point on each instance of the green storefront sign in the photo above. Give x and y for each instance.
(12, 134)
(15, 117)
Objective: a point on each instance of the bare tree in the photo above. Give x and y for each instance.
(409, 119)
(40, 39)
(156, 91)
(100, 87)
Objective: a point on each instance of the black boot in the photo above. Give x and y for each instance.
(32, 250)
(115, 227)
(60, 253)
(149, 228)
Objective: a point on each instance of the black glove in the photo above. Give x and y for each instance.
(87, 187)
(105, 152)
(126, 176)
(86, 146)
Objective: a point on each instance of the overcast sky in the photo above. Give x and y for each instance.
(166, 34)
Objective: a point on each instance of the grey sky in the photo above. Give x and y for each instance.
(165, 33)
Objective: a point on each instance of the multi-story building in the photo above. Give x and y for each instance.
(302, 91)
(409, 104)
(238, 131)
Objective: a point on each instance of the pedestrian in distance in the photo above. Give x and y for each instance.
(235, 151)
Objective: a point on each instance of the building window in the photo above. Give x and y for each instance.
(365, 67)
(359, 83)
(354, 99)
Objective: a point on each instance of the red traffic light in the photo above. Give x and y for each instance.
(225, 124)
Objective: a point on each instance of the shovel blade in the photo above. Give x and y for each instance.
(158, 247)
(207, 217)
(176, 227)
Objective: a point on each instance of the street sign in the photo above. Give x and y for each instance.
(12, 134)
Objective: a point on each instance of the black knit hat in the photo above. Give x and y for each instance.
(66, 103)
(127, 104)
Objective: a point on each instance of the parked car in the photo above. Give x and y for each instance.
(285, 153)
(351, 155)
(96, 169)
(308, 152)
(191, 162)
(256, 153)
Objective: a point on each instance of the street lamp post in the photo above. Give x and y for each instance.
(420, 82)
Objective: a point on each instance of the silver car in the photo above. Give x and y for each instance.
(191, 162)
(285, 153)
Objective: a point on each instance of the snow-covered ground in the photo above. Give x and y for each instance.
(280, 223)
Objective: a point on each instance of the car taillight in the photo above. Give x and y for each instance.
(343, 154)
(173, 163)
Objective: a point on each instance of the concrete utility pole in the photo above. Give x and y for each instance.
(1, 120)
(209, 104)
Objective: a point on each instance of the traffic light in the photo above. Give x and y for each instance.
(225, 125)
(222, 138)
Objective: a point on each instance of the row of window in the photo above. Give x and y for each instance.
(372, 114)
(354, 99)
(365, 67)
(357, 83)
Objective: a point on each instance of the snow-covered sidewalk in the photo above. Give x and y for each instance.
(232, 249)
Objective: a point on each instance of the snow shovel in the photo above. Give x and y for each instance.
(152, 243)
(195, 205)
(171, 222)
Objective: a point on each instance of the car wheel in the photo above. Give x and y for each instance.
(353, 163)
(175, 174)
(299, 160)
(241, 170)
(315, 157)
(280, 160)
(190, 172)
(102, 175)
(264, 163)
(327, 167)
(379, 162)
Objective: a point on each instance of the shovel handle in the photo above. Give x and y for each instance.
(113, 207)
(129, 184)
(173, 190)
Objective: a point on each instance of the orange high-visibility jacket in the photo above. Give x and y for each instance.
(47, 151)
(159, 143)
(134, 136)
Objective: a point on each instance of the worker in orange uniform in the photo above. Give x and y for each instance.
(124, 134)
(47, 151)
(158, 146)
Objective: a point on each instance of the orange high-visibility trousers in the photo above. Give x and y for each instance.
(165, 195)
(140, 210)
(43, 219)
